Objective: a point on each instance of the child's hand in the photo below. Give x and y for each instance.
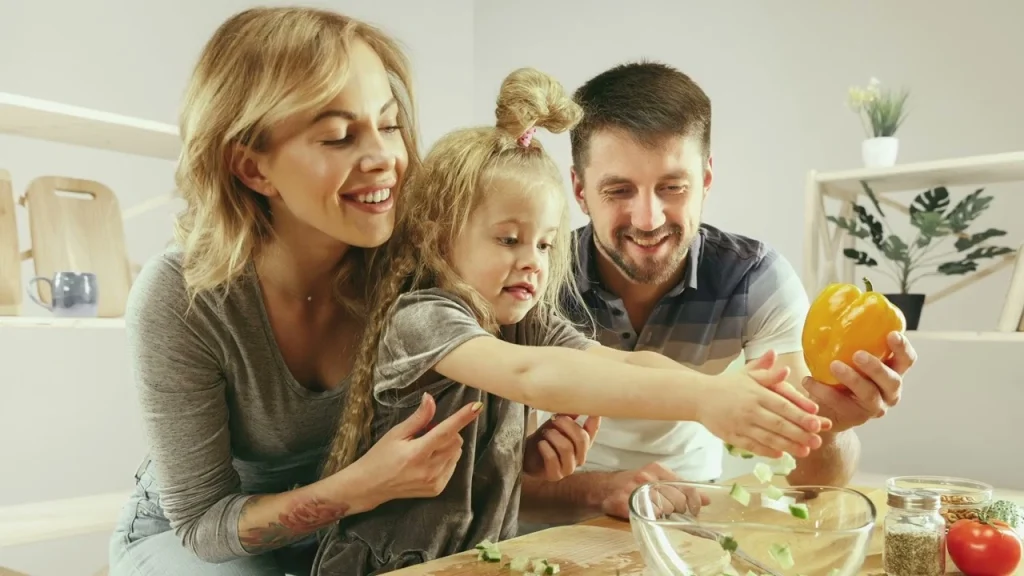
(757, 410)
(555, 449)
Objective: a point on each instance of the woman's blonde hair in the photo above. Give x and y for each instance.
(261, 67)
(438, 201)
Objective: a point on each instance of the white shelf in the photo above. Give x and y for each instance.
(34, 118)
(52, 322)
(55, 519)
(919, 176)
(966, 336)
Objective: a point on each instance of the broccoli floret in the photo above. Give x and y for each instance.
(1007, 512)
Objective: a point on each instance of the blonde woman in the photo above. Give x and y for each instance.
(297, 132)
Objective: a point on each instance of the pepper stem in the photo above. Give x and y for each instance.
(867, 285)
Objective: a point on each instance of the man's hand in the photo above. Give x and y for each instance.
(871, 387)
(555, 449)
(621, 484)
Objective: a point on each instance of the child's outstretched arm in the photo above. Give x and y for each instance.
(749, 408)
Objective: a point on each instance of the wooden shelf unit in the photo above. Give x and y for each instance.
(823, 250)
(63, 123)
(56, 122)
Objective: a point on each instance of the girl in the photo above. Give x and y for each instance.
(296, 135)
(466, 309)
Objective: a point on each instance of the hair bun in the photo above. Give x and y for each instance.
(528, 98)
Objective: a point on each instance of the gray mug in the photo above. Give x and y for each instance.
(72, 294)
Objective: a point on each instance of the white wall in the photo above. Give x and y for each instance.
(777, 74)
(68, 419)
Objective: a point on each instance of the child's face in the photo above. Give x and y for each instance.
(503, 252)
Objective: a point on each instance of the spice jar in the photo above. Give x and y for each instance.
(915, 534)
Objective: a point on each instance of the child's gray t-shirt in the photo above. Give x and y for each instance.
(482, 498)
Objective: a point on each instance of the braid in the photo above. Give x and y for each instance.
(357, 417)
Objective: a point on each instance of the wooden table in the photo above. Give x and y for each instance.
(605, 545)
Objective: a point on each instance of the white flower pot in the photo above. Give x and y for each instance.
(880, 152)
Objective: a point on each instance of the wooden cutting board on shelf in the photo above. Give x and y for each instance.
(578, 551)
(76, 226)
(10, 258)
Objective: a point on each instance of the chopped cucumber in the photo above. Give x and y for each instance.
(552, 569)
(782, 555)
(784, 465)
(740, 494)
(774, 492)
(763, 472)
(738, 452)
(833, 572)
(799, 511)
(490, 555)
(488, 551)
(729, 543)
(519, 564)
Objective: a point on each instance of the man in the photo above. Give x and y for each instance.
(654, 277)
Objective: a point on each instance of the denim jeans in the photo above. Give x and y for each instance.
(143, 544)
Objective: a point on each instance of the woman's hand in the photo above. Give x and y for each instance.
(758, 411)
(410, 463)
(555, 449)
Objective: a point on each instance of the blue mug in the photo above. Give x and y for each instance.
(72, 294)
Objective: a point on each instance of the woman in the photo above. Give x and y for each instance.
(297, 133)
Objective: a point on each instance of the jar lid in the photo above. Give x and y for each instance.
(913, 499)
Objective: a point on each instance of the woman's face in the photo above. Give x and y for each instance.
(329, 176)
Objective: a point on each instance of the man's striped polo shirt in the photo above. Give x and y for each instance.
(737, 300)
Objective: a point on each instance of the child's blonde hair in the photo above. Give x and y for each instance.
(433, 212)
(261, 67)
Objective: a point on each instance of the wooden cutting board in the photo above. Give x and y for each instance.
(578, 550)
(76, 226)
(10, 259)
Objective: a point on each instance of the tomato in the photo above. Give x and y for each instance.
(984, 548)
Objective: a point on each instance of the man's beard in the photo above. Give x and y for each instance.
(649, 270)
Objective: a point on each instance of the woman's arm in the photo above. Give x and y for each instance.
(181, 391)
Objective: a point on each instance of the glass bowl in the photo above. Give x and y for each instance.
(960, 497)
(688, 528)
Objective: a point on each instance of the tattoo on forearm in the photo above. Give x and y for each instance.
(301, 519)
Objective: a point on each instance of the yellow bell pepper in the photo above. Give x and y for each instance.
(843, 320)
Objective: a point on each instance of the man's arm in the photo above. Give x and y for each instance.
(586, 494)
(835, 462)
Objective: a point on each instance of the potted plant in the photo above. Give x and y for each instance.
(923, 256)
(881, 112)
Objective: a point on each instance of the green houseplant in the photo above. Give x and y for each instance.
(882, 112)
(929, 253)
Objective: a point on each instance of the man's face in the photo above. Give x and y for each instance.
(645, 202)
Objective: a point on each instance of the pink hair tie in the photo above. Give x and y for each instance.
(527, 136)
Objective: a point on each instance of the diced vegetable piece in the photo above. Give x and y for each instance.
(491, 555)
(782, 555)
(486, 545)
(738, 452)
(740, 494)
(784, 465)
(552, 569)
(729, 543)
(519, 564)
(799, 511)
(751, 573)
(833, 572)
(774, 492)
(763, 472)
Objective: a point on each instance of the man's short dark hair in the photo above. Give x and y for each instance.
(648, 100)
